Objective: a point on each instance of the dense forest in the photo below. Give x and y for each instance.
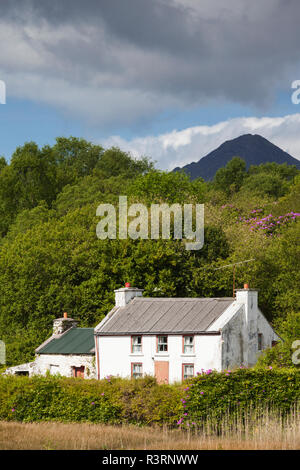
(51, 260)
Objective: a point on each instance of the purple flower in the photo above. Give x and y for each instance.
(180, 421)
(13, 409)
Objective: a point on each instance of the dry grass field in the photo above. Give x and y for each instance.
(269, 433)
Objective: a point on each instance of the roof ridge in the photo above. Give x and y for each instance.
(183, 299)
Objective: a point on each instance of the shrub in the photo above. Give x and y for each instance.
(214, 395)
(210, 395)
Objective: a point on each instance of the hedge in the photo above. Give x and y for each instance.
(143, 401)
(214, 395)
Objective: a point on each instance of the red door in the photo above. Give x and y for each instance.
(161, 369)
(78, 371)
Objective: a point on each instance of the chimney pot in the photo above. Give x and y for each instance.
(127, 284)
(60, 325)
(246, 286)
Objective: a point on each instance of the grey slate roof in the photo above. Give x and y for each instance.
(164, 315)
(73, 341)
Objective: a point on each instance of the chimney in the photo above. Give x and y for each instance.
(124, 295)
(248, 297)
(60, 325)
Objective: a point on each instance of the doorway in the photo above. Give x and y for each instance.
(78, 371)
(161, 370)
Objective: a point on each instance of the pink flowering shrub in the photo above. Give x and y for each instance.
(269, 224)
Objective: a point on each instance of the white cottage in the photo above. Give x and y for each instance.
(70, 352)
(174, 338)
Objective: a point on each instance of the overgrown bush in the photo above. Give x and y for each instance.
(210, 395)
(213, 395)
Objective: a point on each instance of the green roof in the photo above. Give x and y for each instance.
(74, 341)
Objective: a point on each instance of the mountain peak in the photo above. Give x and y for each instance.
(253, 148)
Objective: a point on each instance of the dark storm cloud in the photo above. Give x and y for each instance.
(162, 52)
(150, 24)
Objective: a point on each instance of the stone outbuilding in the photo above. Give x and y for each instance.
(70, 352)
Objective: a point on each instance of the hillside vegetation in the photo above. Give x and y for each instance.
(51, 260)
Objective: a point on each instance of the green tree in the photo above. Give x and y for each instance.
(28, 180)
(163, 187)
(230, 178)
(75, 158)
(115, 162)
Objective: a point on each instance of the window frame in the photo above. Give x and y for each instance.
(132, 345)
(190, 365)
(158, 344)
(193, 344)
(132, 367)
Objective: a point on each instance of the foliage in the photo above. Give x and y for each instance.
(51, 260)
(142, 401)
(230, 178)
(282, 355)
(115, 162)
(270, 179)
(213, 395)
(270, 224)
(158, 187)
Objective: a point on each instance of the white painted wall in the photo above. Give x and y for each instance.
(240, 325)
(115, 355)
(43, 363)
(65, 362)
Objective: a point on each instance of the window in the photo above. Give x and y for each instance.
(259, 341)
(136, 370)
(187, 371)
(188, 344)
(136, 344)
(162, 343)
(274, 343)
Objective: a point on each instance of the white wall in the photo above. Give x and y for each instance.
(65, 363)
(240, 325)
(115, 355)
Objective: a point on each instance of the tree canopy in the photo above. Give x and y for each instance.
(52, 261)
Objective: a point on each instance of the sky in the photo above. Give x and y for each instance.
(169, 79)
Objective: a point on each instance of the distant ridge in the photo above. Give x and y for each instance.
(253, 148)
